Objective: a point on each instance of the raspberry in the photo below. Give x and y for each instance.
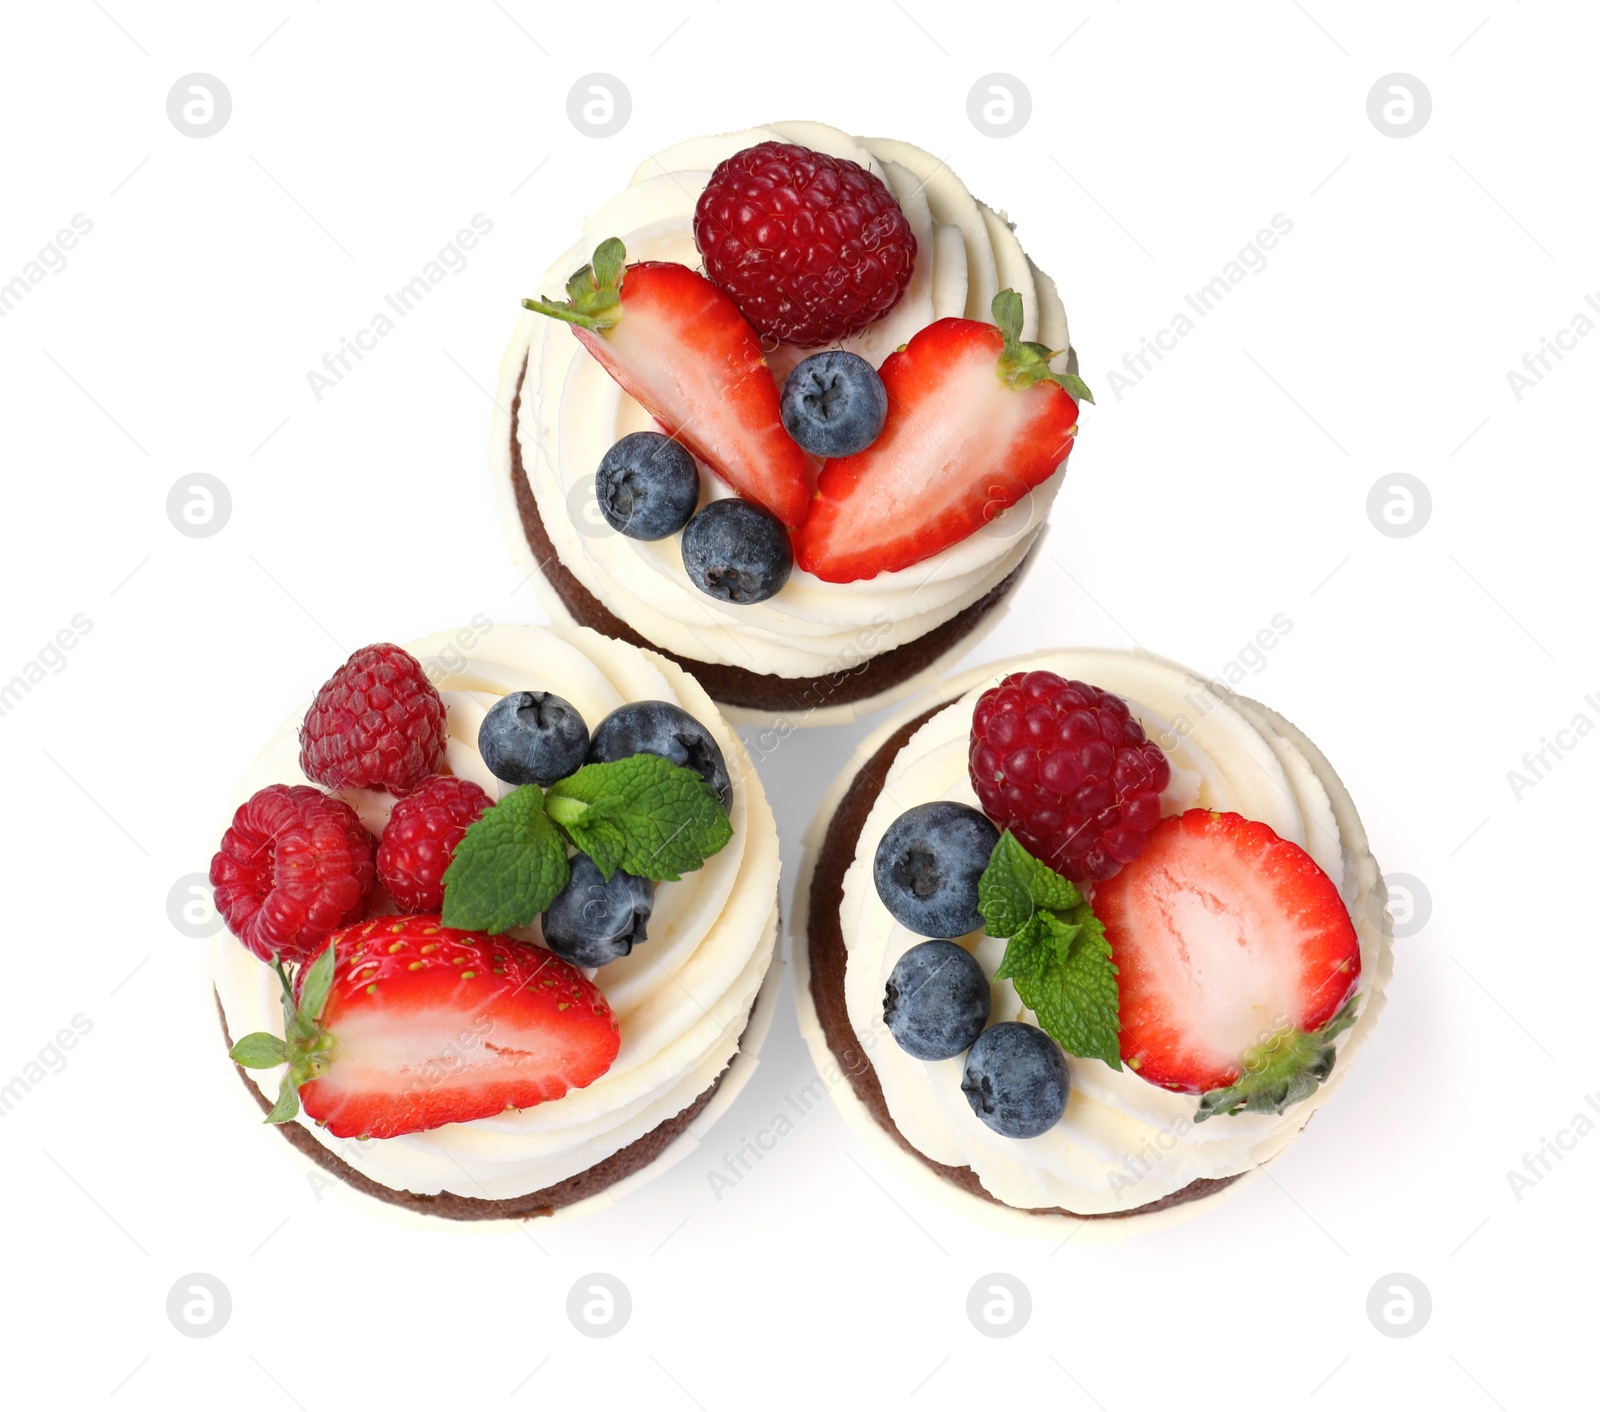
(1066, 769)
(377, 723)
(421, 836)
(294, 865)
(811, 248)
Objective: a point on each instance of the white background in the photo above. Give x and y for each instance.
(1227, 486)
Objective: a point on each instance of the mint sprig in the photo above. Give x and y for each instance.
(643, 814)
(1057, 955)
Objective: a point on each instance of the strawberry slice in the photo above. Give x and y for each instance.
(678, 345)
(976, 420)
(1237, 958)
(403, 1024)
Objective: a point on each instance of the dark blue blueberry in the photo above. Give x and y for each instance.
(593, 921)
(647, 486)
(533, 737)
(928, 865)
(1016, 1080)
(833, 404)
(736, 551)
(660, 728)
(936, 1001)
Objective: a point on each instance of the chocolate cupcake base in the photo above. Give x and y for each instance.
(827, 956)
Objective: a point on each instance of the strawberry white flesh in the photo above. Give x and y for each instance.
(446, 1063)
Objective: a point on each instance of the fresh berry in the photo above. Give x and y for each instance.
(1235, 956)
(661, 728)
(675, 343)
(1016, 1080)
(936, 1002)
(834, 404)
(533, 737)
(294, 865)
(976, 421)
(1065, 767)
(928, 864)
(736, 551)
(421, 836)
(377, 723)
(647, 486)
(593, 921)
(425, 1025)
(812, 248)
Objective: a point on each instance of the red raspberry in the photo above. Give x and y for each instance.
(422, 835)
(294, 866)
(1066, 769)
(377, 723)
(811, 248)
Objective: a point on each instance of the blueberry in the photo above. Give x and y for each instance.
(532, 737)
(937, 1000)
(660, 728)
(1016, 1080)
(833, 404)
(928, 865)
(593, 921)
(647, 485)
(736, 551)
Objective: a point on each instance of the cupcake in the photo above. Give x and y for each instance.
(1088, 937)
(501, 912)
(791, 412)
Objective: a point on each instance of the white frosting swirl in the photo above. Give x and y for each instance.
(682, 999)
(1122, 1142)
(572, 412)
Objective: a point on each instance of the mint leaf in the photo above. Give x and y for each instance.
(1016, 884)
(1064, 973)
(259, 1051)
(508, 867)
(644, 815)
(1057, 955)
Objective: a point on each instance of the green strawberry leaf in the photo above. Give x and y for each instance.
(1077, 387)
(1280, 1072)
(288, 1104)
(259, 1051)
(1057, 955)
(509, 866)
(1023, 364)
(594, 293)
(317, 983)
(644, 814)
(1006, 310)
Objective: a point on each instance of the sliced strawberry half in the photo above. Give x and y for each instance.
(403, 1024)
(1237, 963)
(976, 420)
(678, 345)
